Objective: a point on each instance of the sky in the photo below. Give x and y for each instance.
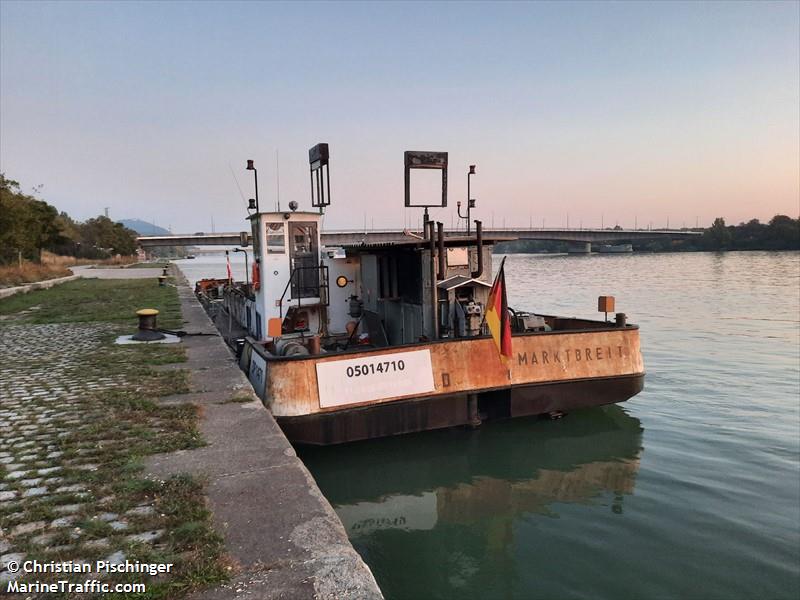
(627, 113)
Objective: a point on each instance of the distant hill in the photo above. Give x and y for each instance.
(143, 227)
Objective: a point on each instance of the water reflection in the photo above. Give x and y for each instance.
(473, 488)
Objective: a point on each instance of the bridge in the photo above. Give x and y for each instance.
(580, 239)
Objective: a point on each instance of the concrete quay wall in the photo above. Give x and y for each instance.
(282, 535)
(38, 285)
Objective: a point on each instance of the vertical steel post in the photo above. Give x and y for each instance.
(434, 289)
(469, 195)
(472, 410)
(440, 241)
(255, 174)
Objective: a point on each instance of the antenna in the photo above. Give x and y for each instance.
(236, 181)
(278, 176)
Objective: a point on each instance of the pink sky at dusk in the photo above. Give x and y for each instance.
(625, 112)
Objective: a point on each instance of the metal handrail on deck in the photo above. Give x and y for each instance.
(320, 286)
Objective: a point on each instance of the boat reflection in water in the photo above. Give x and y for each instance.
(443, 513)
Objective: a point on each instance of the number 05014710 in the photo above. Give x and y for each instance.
(355, 380)
(388, 366)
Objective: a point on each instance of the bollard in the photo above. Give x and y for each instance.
(162, 280)
(621, 319)
(164, 271)
(147, 326)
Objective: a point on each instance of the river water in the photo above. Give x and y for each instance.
(689, 490)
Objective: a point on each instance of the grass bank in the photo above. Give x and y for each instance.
(28, 272)
(96, 300)
(94, 436)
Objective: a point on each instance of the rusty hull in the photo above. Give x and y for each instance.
(437, 412)
(470, 365)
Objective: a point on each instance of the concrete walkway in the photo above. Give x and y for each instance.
(282, 534)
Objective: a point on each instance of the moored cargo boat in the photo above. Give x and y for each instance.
(366, 340)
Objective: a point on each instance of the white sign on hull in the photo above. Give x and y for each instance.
(356, 380)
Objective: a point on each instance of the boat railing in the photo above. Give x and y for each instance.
(295, 280)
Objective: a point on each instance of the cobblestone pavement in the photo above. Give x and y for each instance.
(62, 447)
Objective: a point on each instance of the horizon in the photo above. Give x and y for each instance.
(584, 113)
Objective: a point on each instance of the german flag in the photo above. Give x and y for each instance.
(497, 315)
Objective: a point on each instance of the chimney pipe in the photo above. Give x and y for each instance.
(440, 227)
(434, 289)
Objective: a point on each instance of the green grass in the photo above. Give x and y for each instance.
(159, 354)
(85, 300)
(239, 399)
(192, 543)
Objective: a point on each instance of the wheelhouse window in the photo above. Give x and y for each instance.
(276, 243)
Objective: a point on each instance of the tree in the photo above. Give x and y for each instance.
(783, 233)
(101, 232)
(27, 224)
(717, 237)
